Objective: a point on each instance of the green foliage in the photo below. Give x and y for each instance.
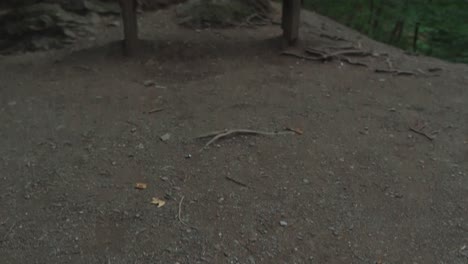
(433, 27)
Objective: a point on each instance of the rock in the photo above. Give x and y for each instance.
(283, 223)
(165, 137)
(39, 26)
(148, 83)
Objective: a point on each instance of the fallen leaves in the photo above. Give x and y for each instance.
(158, 202)
(155, 201)
(141, 186)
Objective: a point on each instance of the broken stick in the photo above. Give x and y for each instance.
(155, 110)
(236, 182)
(180, 211)
(231, 132)
(422, 133)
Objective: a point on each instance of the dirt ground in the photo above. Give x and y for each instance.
(356, 187)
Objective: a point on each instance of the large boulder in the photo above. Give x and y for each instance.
(40, 26)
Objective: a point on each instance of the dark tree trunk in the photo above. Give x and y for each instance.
(130, 24)
(290, 21)
(415, 37)
(375, 23)
(397, 31)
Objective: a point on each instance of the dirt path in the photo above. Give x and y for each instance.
(357, 187)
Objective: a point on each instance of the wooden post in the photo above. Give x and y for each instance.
(130, 25)
(291, 21)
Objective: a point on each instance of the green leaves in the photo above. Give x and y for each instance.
(433, 27)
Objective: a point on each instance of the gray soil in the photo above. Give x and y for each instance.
(356, 187)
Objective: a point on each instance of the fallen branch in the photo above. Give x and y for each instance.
(231, 132)
(422, 133)
(237, 182)
(180, 211)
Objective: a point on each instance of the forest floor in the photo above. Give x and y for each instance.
(378, 174)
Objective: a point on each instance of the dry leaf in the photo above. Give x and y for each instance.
(141, 186)
(158, 202)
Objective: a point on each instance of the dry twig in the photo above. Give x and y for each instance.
(231, 132)
(236, 182)
(155, 110)
(8, 232)
(422, 133)
(180, 211)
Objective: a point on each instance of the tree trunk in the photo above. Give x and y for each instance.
(290, 21)
(375, 23)
(130, 24)
(415, 37)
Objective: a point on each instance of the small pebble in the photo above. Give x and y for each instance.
(149, 83)
(283, 223)
(165, 137)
